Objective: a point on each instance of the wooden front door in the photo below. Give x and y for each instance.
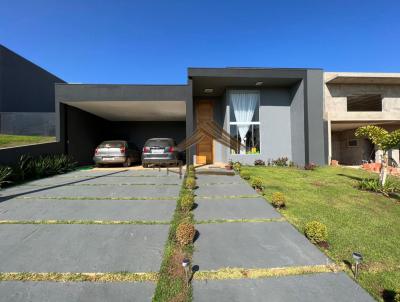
(204, 149)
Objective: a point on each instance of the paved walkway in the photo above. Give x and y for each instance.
(257, 245)
(146, 196)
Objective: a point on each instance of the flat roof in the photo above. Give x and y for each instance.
(362, 78)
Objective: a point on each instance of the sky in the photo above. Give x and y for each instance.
(153, 42)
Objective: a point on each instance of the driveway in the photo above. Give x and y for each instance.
(239, 229)
(89, 221)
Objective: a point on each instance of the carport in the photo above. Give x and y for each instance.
(88, 114)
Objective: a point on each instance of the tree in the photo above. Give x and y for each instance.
(383, 140)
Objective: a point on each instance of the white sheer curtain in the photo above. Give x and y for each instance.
(244, 104)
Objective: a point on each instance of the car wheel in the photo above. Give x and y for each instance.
(98, 165)
(145, 165)
(127, 163)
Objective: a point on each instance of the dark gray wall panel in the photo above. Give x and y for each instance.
(139, 132)
(275, 121)
(10, 156)
(25, 87)
(317, 135)
(84, 131)
(297, 124)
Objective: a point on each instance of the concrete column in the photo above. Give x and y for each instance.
(378, 156)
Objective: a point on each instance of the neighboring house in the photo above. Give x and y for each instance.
(356, 99)
(305, 115)
(26, 96)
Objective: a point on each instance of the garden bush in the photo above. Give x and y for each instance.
(280, 162)
(187, 201)
(185, 233)
(397, 296)
(237, 166)
(278, 200)
(190, 183)
(316, 232)
(257, 183)
(5, 173)
(259, 162)
(310, 166)
(245, 175)
(373, 185)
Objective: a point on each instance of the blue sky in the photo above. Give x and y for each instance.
(144, 41)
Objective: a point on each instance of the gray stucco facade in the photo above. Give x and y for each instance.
(290, 113)
(26, 96)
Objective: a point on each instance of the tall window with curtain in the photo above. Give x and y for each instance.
(244, 120)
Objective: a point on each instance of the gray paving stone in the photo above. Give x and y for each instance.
(253, 245)
(234, 208)
(50, 209)
(76, 291)
(328, 287)
(93, 191)
(82, 248)
(217, 179)
(225, 190)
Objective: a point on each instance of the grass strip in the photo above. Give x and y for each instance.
(228, 196)
(80, 277)
(94, 198)
(104, 222)
(243, 273)
(240, 220)
(171, 285)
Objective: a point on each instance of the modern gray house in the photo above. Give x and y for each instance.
(306, 115)
(274, 112)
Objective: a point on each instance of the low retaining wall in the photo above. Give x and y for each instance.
(9, 156)
(375, 167)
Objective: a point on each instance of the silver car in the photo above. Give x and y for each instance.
(160, 151)
(116, 152)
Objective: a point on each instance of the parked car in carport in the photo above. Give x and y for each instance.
(116, 152)
(160, 151)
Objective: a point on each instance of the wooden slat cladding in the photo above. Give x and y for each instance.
(204, 149)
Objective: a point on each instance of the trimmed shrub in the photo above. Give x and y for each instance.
(187, 201)
(185, 233)
(278, 200)
(280, 162)
(245, 175)
(237, 166)
(310, 167)
(190, 183)
(257, 182)
(316, 232)
(259, 162)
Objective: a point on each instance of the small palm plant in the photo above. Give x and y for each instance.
(383, 140)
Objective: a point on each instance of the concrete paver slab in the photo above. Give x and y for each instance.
(50, 209)
(225, 190)
(93, 192)
(76, 291)
(253, 245)
(234, 208)
(81, 248)
(327, 287)
(217, 179)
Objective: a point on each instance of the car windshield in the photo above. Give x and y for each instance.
(159, 143)
(111, 144)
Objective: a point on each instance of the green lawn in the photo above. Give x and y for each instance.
(7, 140)
(357, 220)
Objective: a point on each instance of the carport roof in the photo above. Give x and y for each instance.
(127, 102)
